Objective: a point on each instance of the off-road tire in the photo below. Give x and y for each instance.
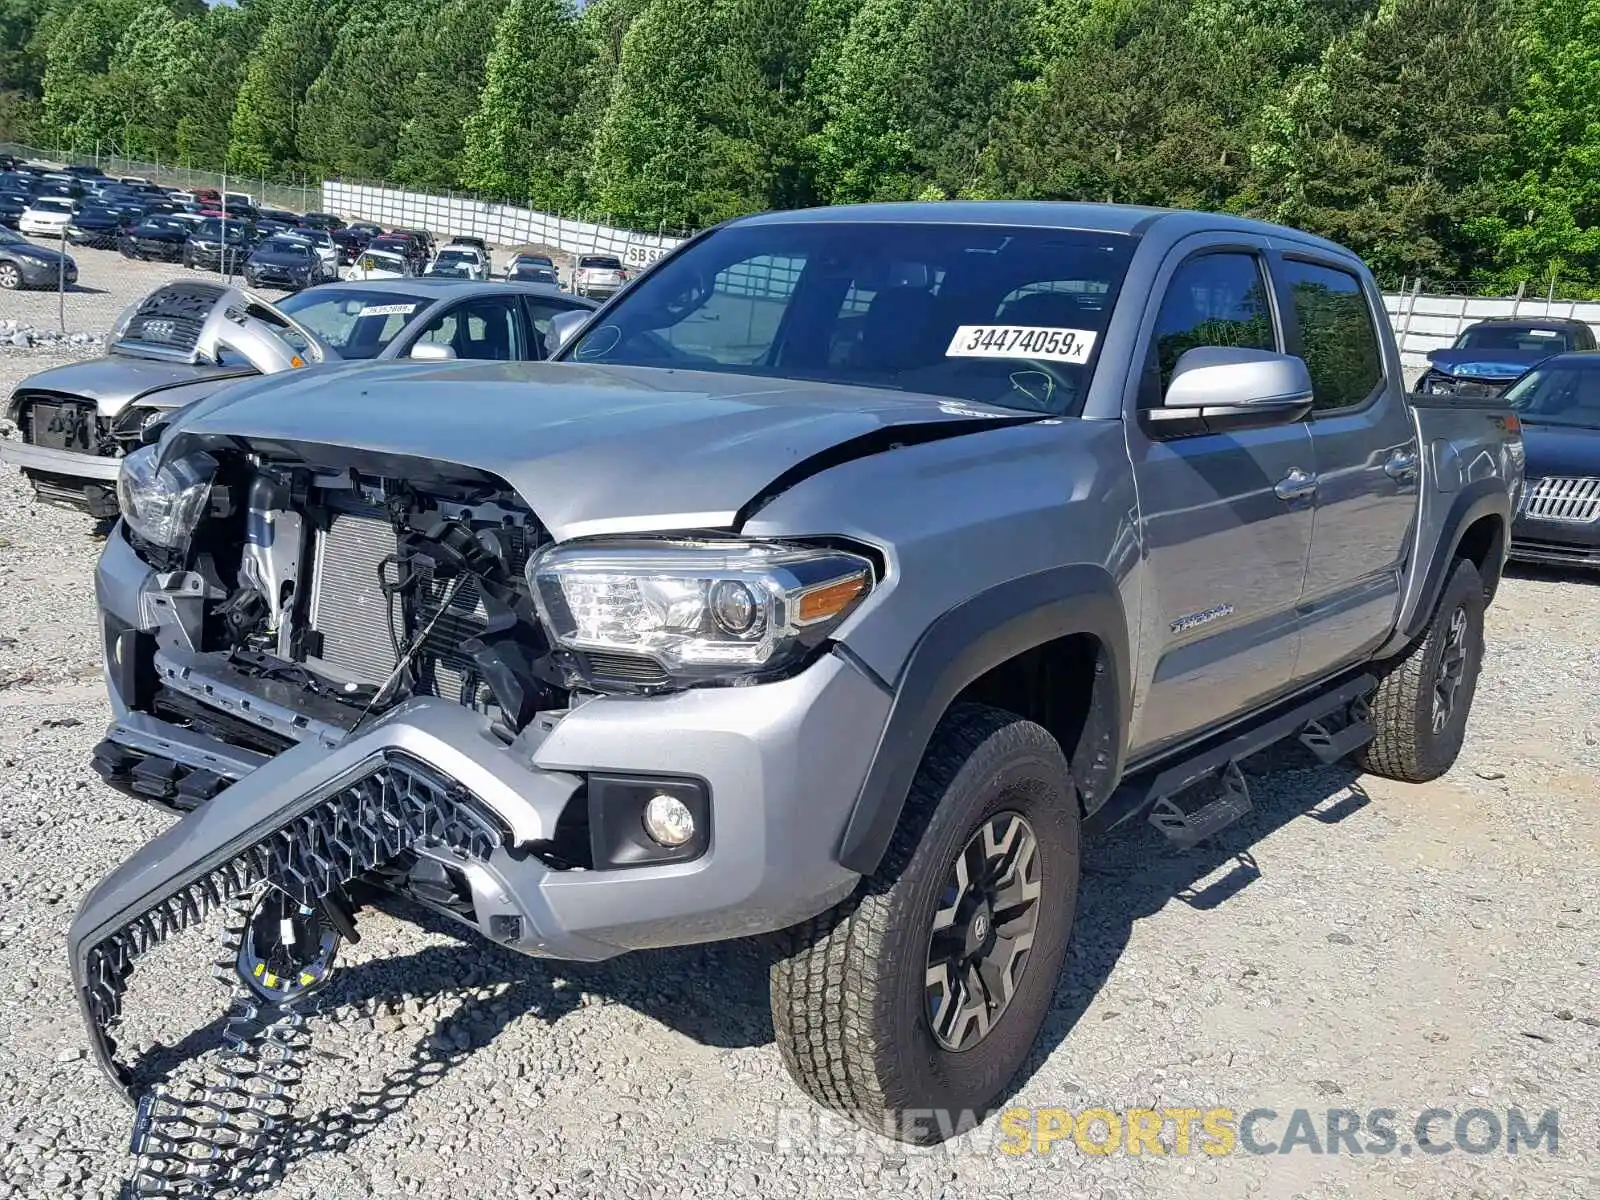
(847, 987)
(1407, 746)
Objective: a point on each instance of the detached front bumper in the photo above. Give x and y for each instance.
(781, 765)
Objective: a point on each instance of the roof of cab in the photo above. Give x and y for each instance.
(1041, 214)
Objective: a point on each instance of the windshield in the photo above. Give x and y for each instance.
(992, 314)
(45, 204)
(7, 238)
(1515, 337)
(355, 322)
(163, 225)
(462, 257)
(211, 228)
(599, 262)
(279, 245)
(1558, 394)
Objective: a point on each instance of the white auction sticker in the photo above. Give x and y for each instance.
(1022, 341)
(388, 310)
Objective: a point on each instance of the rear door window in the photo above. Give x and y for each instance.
(1338, 338)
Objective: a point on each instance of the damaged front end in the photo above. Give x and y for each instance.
(341, 666)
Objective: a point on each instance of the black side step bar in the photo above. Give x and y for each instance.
(1330, 725)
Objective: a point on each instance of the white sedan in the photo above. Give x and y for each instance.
(47, 216)
(459, 262)
(380, 264)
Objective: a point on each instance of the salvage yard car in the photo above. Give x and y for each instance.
(178, 343)
(1489, 356)
(284, 262)
(832, 582)
(218, 245)
(78, 421)
(25, 265)
(160, 238)
(47, 216)
(459, 262)
(1558, 523)
(598, 275)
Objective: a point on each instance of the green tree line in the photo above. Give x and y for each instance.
(1453, 139)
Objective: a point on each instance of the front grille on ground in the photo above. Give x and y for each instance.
(351, 614)
(1574, 501)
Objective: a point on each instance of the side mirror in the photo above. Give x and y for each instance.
(1230, 387)
(432, 352)
(563, 328)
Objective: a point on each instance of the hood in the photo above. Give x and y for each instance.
(117, 380)
(591, 449)
(1485, 364)
(37, 253)
(1560, 450)
(279, 258)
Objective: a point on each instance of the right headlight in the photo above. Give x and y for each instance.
(676, 613)
(163, 504)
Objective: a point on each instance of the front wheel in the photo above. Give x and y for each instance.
(10, 277)
(910, 1007)
(1424, 697)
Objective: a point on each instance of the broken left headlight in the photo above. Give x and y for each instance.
(700, 612)
(163, 502)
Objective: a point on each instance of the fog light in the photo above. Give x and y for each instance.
(668, 820)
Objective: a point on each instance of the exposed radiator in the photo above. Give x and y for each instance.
(350, 612)
(63, 425)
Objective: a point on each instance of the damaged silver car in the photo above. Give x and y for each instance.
(836, 577)
(75, 423)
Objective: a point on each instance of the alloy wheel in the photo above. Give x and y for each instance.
(983, 931)
(1452, 670)
(10, 277)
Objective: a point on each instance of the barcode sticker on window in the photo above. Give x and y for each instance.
(388, 310)
(1022, 341)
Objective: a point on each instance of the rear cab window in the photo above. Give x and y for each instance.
(1002, 315)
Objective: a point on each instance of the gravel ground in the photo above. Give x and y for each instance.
(1354, 944)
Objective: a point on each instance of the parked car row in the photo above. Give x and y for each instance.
(228, 232)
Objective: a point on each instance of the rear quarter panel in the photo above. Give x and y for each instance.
(1472, 468)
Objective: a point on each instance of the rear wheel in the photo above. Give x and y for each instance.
(1422, 703)
(910, 1007)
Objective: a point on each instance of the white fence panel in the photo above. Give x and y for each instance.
(502, 224)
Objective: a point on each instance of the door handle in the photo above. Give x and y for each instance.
(1295, 485)
(1402, 465)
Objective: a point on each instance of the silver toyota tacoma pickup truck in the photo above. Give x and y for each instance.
(830, 582)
